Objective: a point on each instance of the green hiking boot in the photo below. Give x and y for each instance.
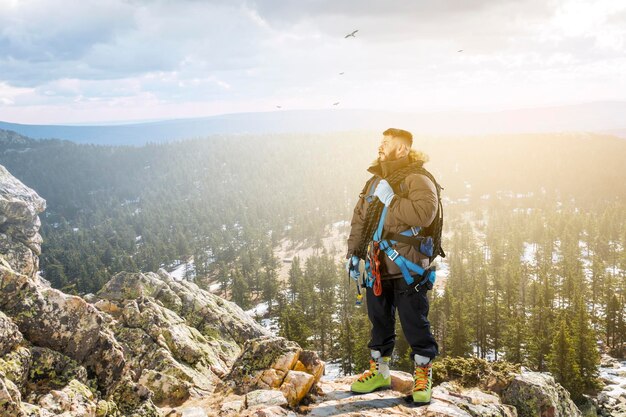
(372, 379)
(423, 383)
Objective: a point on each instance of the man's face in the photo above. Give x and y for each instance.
(389, 149)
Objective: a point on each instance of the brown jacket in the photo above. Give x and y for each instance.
(415, 204)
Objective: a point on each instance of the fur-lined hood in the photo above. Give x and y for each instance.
(414, 156)
(382, 169)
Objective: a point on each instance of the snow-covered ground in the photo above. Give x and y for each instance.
(529, 257)
(178, 273)
(556, 253)
(271, 325)
(332, 370)
(258, 311)
(615, 378)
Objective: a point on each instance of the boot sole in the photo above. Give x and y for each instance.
(386, 387)
(409, 400)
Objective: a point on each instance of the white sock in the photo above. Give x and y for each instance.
(421, 360)
(383, 363)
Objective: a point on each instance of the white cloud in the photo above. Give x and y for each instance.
(220, 56)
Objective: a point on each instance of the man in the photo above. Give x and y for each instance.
(414, 202)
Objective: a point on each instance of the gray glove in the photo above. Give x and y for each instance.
(384, 192)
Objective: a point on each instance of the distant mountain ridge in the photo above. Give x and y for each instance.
(11, 138)
(594, 117)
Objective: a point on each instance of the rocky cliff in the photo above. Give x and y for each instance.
(147, 345)
(141, 346)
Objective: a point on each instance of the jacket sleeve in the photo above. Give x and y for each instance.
(419, 208)
(358, 221)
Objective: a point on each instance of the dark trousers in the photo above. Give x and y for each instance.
(413, 311)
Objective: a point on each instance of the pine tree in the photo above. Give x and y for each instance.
(270, 285)
(295, 278)
(294, 326)
(515, 337)
(587, 354)
(240, 291)
(457, 343)
(562, 361)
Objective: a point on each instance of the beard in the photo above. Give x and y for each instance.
(391, 156)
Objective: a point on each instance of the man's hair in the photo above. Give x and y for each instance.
(405, 136)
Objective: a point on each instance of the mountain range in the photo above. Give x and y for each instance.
(604, 117)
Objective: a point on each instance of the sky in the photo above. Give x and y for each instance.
(93, 61)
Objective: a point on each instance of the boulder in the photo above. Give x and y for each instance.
(64, 323)
(309, 362)
(537, 394)
(76, 354)
(74, 399)
(472, 401)
(402, 382)
(263, 363)
(233, 406)
(10, 399)
(170, 358)
(296, 385)
(20, 242)
(10, 335)
(51, 370)
(16, 366)
(265, 398)
(274, 411)
(214, 317)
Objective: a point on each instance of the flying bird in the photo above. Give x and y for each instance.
(334, 104)
(460, 50)
(341, 73)
(279, 107)
(351, 34)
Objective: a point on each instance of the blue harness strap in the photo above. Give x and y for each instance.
(403, 264)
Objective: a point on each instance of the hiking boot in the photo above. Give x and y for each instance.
(423, 383)
(374, 378)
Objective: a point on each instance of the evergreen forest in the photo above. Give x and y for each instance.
(534, 232)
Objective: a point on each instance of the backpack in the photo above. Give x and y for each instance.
(435, 229)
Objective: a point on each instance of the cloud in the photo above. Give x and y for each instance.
(117, 39)
(42, 31)
(222, 54)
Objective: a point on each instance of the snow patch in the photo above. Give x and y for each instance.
(184, 270)
(616, 380)
(259, 310)
(332, 370)
(529, 256)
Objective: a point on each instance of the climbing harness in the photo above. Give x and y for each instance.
(374, 211)
(374, 239)
(426, 240)
(372, 265)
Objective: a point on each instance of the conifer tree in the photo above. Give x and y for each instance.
(295, 278)
(562, 361)
(587, 354)
(457, 343)
(240, 290)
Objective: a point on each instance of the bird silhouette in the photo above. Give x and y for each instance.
(341, 73)
(351, 34)
(279, 107)
(334, 104)
(460, 50)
